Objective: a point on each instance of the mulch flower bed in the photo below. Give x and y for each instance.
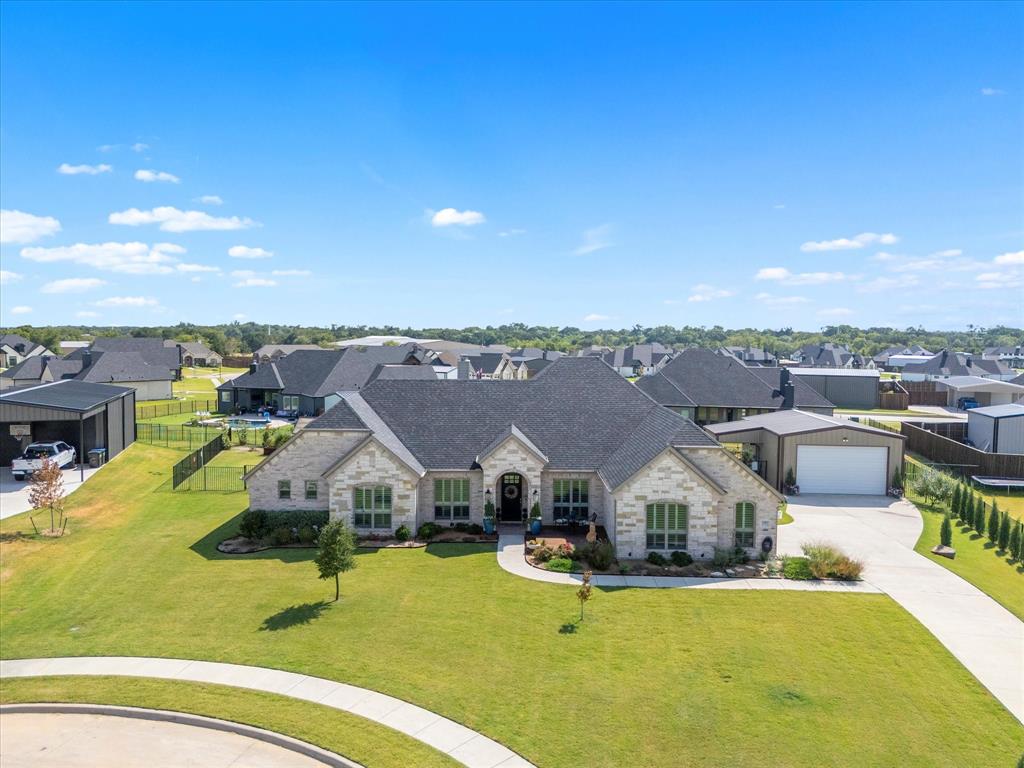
(239, 545)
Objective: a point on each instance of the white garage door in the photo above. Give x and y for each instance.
(841, 469)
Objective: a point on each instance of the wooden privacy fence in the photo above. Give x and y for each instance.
(960, 458)
(924, 393)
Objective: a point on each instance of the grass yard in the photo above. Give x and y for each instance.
(365, 742)
(652, 677)
(194, 386)
(1008, 502)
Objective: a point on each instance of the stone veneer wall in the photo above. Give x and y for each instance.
(375, 465)
(306, 457)
(512, 456)
(476, 495)
(666, 478)
(740, 485)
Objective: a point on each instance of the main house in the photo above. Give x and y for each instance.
(578, 440)
(709, 387)
(307, 381)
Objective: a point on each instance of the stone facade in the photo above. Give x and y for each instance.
(306, 457)
(595, 493)
(476, 495)
(512, 456)
(372, 465)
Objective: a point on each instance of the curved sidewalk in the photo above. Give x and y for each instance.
(463, 745)
(512, 558)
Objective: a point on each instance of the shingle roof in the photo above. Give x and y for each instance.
(68, 395)
(285, 349)
(406, 372)
(701, 377)
(578, 412)
(29, 369)
(151, 350)
(947, 363)
(486, 362)
(340, 416)
(123, 366)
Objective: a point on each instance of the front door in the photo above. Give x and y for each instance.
(511, 490)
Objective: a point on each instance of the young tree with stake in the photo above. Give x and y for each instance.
(583, 593)
(336, 550)
(47, 491)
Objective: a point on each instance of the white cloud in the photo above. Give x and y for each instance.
(89, 170)
(772, 300)
(595, 239)
(72, 285)
(1017, 257)
(512, 233)
(209, 200)
(245, 252)
(593, 317)
(291, 272)
(243, 273)
(139, 147)
(255, 282)
(87, 313)
(239, 316)
(21, 227)
(171, 219)
(1012, 278)
(127, 258)
(183, 267)
(127, 301)
(849, 243)
(150, 176)
(20, 310)
(779, 206)
(704, 292)
(835, 312)
(448, 217)
(785, 277)
(882, 284)
(7, 277)
(993, 92)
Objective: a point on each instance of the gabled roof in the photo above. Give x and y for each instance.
(123, 366)
(647, 355)
(701, 377)
(340, 416)
(405, 372)
(77, 396)
(511, 431)
(29, 369)
(270, 350)
(151, 350)
(578, 413)
(793, 422)
(947, 363)
(486, 362)
(193, 348)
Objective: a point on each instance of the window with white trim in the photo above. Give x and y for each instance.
(225, 396)
(311, 489)
(372, 506)
(666, 525)
(745, 524)
(290, 402)
(451, 498)
(571, 499)
(284, 489)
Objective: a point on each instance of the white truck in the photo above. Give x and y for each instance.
(32, 459)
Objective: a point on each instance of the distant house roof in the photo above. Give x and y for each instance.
(861, 373)
(150, 350)
(979, 384)
(577, 413)
(754, 355)
(103, 367)
(21, 345)
(78, 396)
(914, 349)
(29, 369)
(486, 363)
(192, 348)
(281, 350)
(1008, 411)
(646, 355)
(378, 341)
(947, 363)
(793, 422)
(702, 377)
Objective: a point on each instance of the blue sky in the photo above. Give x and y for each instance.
(587, 165)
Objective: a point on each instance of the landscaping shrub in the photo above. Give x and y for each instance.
(797, 568)
(601, 555)
(297, 518)
(428, 531)
(723, 558)
(254, 524)
(897, 479)
(932, 485)
(957, 503)
(543, 554)
(1017, 542)
(681, 559)
(281, 535)
(828, 562)
(1004, 531)
(946, 532)
(979, 516)
(656, 558)
(993, 523)
(306, 534)
(402, 533)
(565, 549)
(280, 438)
(560, 565)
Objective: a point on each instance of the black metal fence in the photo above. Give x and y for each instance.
(215, 479)
(143, 411)
(195, 461)
(176, 436)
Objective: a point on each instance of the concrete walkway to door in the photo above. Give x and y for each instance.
(984, 636)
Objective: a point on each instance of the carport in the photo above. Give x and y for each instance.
(826, 454)
(986, 391)
(82, 414)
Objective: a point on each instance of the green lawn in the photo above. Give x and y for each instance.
(653, 677)
(365, 742)
(195, 386)
(1008, 502)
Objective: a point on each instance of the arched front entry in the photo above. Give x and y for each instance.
(511, 497)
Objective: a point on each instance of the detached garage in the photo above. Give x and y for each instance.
(997, 429)
(80, 413)
(825, 453)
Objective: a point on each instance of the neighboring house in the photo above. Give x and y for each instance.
(946, 364)
(826, 454)
(67, 347)
(308, 381)
(984, 391)
(15, 348)
(380, 341)
(269, 352)
(997, 429)
(195, 353)
(829, 355)
(750, 356)
(894, 358)
(578, 440)
(634, 360)
(151, 350)
(708, 387)
(491, 365)
(844, 387)
(1011, 356)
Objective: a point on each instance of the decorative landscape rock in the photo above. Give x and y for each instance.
(944, 551)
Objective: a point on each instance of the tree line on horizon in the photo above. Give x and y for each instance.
(243, 338)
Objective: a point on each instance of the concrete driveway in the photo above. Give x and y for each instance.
(14, 493)
(984, 636)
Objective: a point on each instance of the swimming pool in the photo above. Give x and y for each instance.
(241, 422)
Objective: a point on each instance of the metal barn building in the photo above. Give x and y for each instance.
(845, 387)
(997, 429)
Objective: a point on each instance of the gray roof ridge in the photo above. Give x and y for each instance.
(504, 434)
(365, 412)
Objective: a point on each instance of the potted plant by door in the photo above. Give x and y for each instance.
(535, 520)
(489, 516)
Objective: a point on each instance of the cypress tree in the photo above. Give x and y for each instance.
(993, 523)
(969, 509)
(946, 532)
(1004, 531)
(955, 506)
(1015, 542)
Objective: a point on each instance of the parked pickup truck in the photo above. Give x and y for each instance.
(32, 459)
(967, 403)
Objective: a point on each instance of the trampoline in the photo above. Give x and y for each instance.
(1009, 483)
